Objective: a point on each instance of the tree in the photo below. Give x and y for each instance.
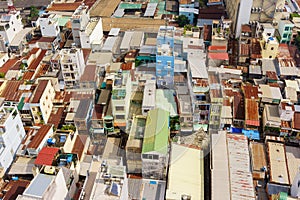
(182, 20)
(34, 12)
(297, 41)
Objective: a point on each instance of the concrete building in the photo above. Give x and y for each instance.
(269, 47)
(231, 165)
(72, 65)
(253, 11)
(110, 182)
(279, 172)
(155, 145)
(80, 20)
(10, 25)
(11, 135)
(49, 25)
(41, 101)
(92, 35)
(187, 8)
(239, 11)
(82, 118)
(149, 96)
(40, 137)
(134, 145)
(165, 57)
(285, 29)
(47, 186)
(186, 172)
(120, 99)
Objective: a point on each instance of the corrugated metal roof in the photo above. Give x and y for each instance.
(156, 132)
(220, 188)
(151, 8)
(130, 6)
(241, 183)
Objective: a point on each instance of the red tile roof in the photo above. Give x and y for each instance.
(214, 48)
(11, 91)
(46, 156)
(79, 145)
(86, 54)
(218, 56)
(56, 117)
(14, 188)
(252, 116)
(39, 136)
(296, 121)
(46, 39)
(246, 28)
(126, 66)
(8, 65)
(39, 91)
(36, 62)
(250, 91)
(64, 6)
(28, 75)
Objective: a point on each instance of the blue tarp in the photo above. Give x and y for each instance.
(251, 134)
(235, 130)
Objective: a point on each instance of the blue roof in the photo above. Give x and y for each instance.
(251, 134)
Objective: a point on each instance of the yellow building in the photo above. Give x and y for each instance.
(269, 47)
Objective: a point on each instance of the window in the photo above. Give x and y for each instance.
(169, 63)
(286, 28)
(120, 116)
(119, 108)
(285, 35)
(17, 127)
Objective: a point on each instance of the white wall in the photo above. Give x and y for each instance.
(97, 34)
(12, 138)
(15, 25)
(48, 28)
(243, 15)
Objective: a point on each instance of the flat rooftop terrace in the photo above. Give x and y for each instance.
(147, 25)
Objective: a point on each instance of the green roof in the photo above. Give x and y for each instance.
(165, 100)
(130, 6)
(63, 20)
(21, 103)
(157, 132)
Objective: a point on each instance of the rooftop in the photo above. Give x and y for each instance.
(278, 165)
(39, 136)
(241, 182)
(39, 185)
(39, 91)
(156, 132)
(185, 173)
(46, 156)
